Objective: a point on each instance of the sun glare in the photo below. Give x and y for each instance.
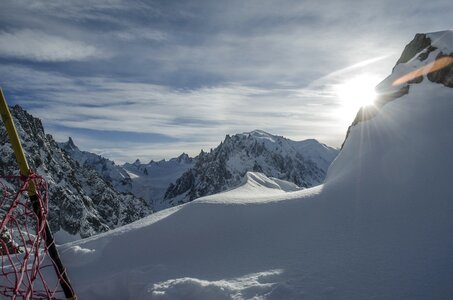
(356, 92)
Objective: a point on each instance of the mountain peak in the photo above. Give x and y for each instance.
(184, 157)
(304, 163)
(70, 144)
(428, 55)
(259, 134)
(425, 43)
(443, 40)
(420, 43)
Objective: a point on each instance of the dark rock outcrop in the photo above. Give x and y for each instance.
(80, 201)
(418, 44)
(445, 74)
(107, 169)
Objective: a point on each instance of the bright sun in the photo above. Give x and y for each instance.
(356, 92)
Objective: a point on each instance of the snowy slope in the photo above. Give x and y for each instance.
(151, 181)
(379, 228)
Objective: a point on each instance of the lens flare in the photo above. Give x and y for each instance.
(429, 68)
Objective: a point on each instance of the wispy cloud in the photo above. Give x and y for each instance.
(135, 34)
(39, 46)
(199, 116)
(193, 71)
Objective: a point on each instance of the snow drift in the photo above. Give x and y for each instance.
(379, 228)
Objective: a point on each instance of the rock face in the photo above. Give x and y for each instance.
(106, 168)
(444, 75)
(420, 43)
(422, 46)
(304, 163)
(81, 202)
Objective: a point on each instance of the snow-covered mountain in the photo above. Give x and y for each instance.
(181, 179)
(81, 203)
(304, 163)
(380, 227)
(108, 170)
(150, 181)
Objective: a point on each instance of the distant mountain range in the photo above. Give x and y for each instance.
(91, 194)
(165, 183)
(304, 163)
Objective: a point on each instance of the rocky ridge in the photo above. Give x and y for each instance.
(106, 168)
(303, 163)
(81, 202)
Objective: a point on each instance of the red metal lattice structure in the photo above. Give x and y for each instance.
(27, 246)
(25, 262)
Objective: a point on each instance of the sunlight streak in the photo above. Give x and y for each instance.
(342, 71)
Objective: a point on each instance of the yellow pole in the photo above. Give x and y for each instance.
(25, 171)
(15, 142)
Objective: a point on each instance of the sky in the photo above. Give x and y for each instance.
(152, 79)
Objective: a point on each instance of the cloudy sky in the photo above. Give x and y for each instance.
(151, 79)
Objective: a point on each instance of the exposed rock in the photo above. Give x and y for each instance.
(304, 163)
(80, 201)
(444, 75)
(107, 169)
(418, 44)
